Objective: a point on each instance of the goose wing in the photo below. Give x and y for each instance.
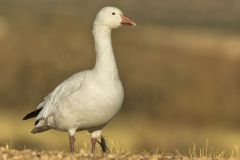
(61, 92)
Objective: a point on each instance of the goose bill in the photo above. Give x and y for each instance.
(127, 22)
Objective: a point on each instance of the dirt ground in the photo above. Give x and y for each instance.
(27, 154)
(7, 153)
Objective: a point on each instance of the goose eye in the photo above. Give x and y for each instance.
(113, 13)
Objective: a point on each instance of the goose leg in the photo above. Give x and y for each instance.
(94, 136)
(71, 142)
(93, 141)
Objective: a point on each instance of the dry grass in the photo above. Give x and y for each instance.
(195, 153)
(27, 154)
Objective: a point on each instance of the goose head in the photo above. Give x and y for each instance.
(111, 18)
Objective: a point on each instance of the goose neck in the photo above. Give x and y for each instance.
(105, 60)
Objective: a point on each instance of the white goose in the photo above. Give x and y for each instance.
(88, 100)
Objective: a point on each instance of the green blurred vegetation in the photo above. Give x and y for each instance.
(179, 66)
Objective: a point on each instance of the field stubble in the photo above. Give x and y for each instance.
(196, 153)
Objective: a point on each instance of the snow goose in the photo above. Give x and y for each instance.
(88, 100)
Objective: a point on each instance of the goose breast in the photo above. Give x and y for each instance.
(93, 105)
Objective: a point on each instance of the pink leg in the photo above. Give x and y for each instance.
(71, 142)
(93, 140)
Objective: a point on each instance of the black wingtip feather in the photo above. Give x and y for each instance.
(32, 114)
(36, 122)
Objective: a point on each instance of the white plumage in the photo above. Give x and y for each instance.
(88, 100)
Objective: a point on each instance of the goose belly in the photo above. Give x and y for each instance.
(93, 106)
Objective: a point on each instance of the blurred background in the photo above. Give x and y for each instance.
(180, 70)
